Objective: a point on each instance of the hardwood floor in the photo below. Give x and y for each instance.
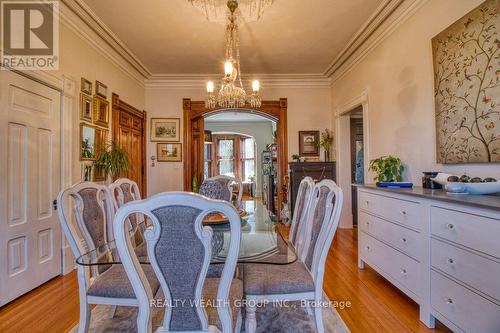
(376, 306)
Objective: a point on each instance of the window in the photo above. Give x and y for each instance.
(225, 157)
(248, 158)
(207, 158)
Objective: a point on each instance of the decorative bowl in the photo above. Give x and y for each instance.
(470, 188)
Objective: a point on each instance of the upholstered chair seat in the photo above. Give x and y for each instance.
(210, 297)
(277, 279)
(115, 283)
(302, 280)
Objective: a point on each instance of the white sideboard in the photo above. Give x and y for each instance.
(443, 251)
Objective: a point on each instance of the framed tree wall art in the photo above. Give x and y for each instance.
(466, 60)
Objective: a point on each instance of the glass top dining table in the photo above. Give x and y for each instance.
(261, 242)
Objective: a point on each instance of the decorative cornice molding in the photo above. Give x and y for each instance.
(389, 15)
(267, 80)
(77, 16)
(357, 51)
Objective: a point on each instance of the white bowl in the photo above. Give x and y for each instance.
(482, 188)
(455, 187)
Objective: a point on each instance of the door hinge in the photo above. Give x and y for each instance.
(54, 204)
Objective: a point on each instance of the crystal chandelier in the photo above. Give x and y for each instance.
(231, 93)
(216, 10)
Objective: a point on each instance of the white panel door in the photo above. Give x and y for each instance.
(30, 236)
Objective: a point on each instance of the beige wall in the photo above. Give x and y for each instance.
(308, 109)
(398, 78)
(79, 59)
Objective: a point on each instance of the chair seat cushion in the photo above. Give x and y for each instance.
(215, 271)
(277, 279)
(210, 298)
(114, 283)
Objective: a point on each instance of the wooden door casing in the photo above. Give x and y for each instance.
(129, 132)
(193, 125)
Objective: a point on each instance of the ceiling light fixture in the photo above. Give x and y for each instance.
(231, 93)
(216, 10)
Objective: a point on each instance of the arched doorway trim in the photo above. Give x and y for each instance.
(193, 132)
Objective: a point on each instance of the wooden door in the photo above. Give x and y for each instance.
(129, 132)
(30, 235)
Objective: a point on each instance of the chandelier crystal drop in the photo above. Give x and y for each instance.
(216, 10)
(231, 93)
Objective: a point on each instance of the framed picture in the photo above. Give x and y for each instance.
(86, 86)
(87, 142)
(169, 152)
(101, 89)
(101, 111)
(85, 107)
(165, 129)
(309, 143)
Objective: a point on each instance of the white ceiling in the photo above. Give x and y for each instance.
(293, 36)
(235, 117)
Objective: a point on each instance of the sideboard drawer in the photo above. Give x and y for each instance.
(400, 267)
(478, 272)
(403, 239)
(401, 211)
(476, 232)
(464, 308)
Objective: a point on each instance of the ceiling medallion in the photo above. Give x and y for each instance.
(216, 10)
(231, 93)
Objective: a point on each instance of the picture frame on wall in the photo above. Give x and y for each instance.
(101, 89)
(165, 129)
(101, 137)
(169, 152)
(87, 142)
(86, 86)
(101, 111)
(309, 143)
(86, 107)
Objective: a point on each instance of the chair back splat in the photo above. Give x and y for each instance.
(300, 213)
(179, 248)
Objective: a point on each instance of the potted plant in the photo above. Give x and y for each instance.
(113, 160)
(296, 157)
(326, 142)
(387, 169)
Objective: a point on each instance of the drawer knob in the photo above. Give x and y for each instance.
(368, 248)
(449, 301)
(403, 271)
(367, 202)
(451, 261)
(450, 226)
(403, 212)
(404, 240)
(367, 222)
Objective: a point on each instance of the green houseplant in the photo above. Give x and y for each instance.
(112, 159)
(387, 169)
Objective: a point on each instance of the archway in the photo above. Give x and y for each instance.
(193, 125)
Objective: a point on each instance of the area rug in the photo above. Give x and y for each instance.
(290, 319)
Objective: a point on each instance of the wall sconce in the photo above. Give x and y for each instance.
(153, 159)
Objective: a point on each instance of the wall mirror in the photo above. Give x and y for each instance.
(87, 142)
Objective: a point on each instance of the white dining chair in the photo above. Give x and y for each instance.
(302, 280)
(124, 191)
(299, 215)
(92, 207)
(179, 249)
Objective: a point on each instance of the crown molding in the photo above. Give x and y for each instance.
(395, 13)
(79, 18)
(267, 80)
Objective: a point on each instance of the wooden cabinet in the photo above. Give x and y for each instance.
(442, 251)
(316, 170)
